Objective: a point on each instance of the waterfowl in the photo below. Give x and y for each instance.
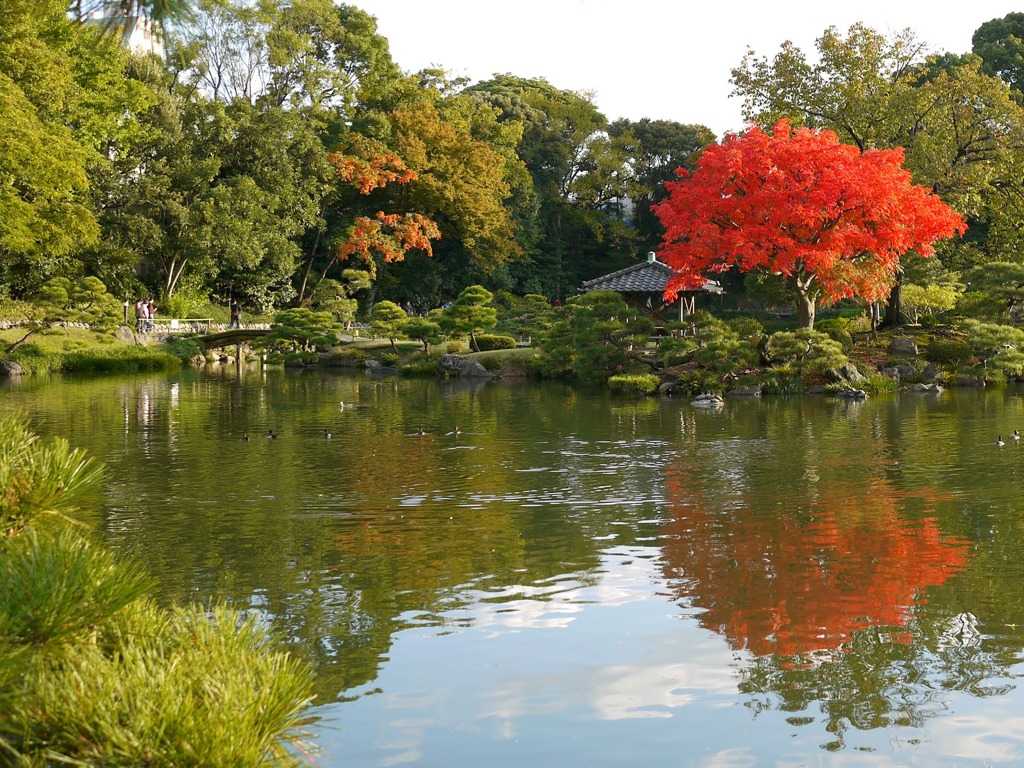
(245, 437)
(421, 432)
(271, 435)
(999, 442)
(456, 431)
(327, 433)
(1015, 436)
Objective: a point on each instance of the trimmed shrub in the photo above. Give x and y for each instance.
(487, 341)
(634, 383)
(948, 352)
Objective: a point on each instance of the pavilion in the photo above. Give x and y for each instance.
(643, 287)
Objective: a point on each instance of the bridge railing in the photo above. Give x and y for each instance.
(182, 324)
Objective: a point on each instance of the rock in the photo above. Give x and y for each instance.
(751, 390)
(11, 368)
(667, 388)
(852, 394)
(458, 365)
(844, 373)
(900, 372)
(970, 381)
(931, 372)
(926, 388)
(708, 400)
(903, 347)
(198, 361)
(126, 335)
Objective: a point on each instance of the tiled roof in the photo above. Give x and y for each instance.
(645, 277)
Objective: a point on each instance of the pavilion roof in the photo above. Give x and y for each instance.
(650, 276)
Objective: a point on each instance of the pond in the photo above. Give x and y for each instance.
(555, 577)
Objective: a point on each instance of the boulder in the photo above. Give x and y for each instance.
(903, 347)
(926, 388)
(844, 373)
(900, 372)
(11, 368)
(931, 372)
(126, 335)
(970, 381)
(458, 365)
(667, 388)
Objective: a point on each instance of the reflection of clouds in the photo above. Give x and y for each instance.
(993, 736)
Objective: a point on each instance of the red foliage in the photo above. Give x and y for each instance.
(799, 203)
(774, 582)
(389, 235)
(368, 166)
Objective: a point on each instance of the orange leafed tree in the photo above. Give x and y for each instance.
(368, 166)
(830, 219)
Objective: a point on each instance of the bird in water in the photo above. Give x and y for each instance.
(421, 432)
(245, 437)
(1015, 436)
(343, 405)
(271, 435)
(456, 431)
(327, 433)
(999, 442)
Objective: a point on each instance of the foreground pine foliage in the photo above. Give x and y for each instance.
(93, 672)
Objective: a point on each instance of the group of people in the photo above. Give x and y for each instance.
(145, 313)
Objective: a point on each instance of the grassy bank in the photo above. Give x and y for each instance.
(77, 350)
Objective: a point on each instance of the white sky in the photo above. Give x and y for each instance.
(661, 59)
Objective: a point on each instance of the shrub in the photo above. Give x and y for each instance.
(455, 347)
(390, 359)
(675, 350)
(93, 672)
(634, 383)
(836, 329)
(781, 382)
(486, 342)
(183, 349)
(420, 364)
(877, 384)
(949, 352)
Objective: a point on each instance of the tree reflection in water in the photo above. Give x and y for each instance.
(827, 597)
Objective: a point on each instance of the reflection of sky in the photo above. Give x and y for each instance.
(605, 670)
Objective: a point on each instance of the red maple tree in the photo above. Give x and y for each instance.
(831, 220)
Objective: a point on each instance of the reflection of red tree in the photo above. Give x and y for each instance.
(773, 582)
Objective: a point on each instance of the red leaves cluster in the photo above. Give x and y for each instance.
(390, 236)
(369, 166)
(799, 203)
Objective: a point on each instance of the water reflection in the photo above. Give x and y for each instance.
(737, 587)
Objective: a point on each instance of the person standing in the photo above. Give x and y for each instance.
(138, 316)
(236, 315)
(151, 315)
(144, 317)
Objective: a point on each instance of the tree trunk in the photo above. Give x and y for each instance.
(894, 306)
(20, 341)
(803, 301)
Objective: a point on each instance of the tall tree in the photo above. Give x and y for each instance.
(1000, 44)
(832, 220)
(960, 127)
(659, 148)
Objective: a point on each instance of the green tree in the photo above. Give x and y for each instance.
(302, 328)
(471, 313)
(595, 336)
(1000, 44)
(424, 330)
(388, 321)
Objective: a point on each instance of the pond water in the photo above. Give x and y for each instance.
(551, 577)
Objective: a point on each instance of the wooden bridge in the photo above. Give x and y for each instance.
(232, 337)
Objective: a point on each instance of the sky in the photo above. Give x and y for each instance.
(662, 59)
